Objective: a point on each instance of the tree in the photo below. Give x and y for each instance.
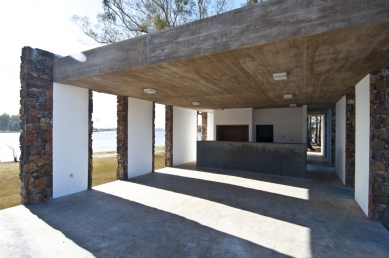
(4, 121)
(13, 124)
(123, 19)
(251, 2)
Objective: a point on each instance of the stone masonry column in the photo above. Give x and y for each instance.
(36, 125)
(169, 136)
(350, 140)
(122, 138)
(379, 146)
(90, 141)
(204, 121)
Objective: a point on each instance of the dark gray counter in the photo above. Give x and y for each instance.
(269, 158)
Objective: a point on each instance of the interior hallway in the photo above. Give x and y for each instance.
(184, 212)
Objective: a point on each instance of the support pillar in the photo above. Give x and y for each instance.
(36, 125)
(379, 147)
(350, 140)
(122, 138)
(169, 136)
(204, 124)
(333, 135)
(153, 135)
(90, 141)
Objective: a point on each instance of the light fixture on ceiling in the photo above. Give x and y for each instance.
(280, 76)
(150, 90)
(292, 105)
(196, 103)
(219, 108)
(289, 96)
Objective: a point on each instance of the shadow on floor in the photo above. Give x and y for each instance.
(221, 214)
(109, 226)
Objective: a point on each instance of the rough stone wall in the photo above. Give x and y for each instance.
(333, 135)
(168, 136)
(36, 125)
(90, 141)
(204, 120)
(350, 140)
(379, 146)
(122, 138)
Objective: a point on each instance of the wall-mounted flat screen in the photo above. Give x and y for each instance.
(264, 133)
(232, 133)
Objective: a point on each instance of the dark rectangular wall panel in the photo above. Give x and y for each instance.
(268, 158)
(232, 133)
(265, 133)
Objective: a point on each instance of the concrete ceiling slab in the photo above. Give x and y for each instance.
(228, 60)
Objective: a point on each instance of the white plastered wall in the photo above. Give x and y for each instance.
(140, 138)
(70, 139)
(340, 139)
(323, 132)
(210, 126)
(289, 124)
(304, 124)
(184, 135)
(362, 143)
(329, 135)
(236, 116)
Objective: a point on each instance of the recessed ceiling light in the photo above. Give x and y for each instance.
(196, 103)
(219, 108)
(289, 96)
(150, 90)
(280, 76)
(292, 105)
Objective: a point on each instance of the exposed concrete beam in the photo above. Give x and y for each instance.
(259, 24)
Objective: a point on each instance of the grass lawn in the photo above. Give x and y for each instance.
(104, 171)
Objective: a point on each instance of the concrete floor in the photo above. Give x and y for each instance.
(183, 212)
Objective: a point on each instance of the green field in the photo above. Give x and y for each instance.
(104, 171)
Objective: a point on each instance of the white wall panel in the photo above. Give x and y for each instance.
(236, 116)
(362, 143)
(289, 124)
(184, 135)
(140, 138)
(210, 126)
(70, 139)
(340, 139)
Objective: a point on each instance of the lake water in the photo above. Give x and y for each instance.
(102, 141)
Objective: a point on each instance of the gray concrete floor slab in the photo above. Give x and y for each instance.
(185, 212)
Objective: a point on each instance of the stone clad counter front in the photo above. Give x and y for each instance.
(268, 158)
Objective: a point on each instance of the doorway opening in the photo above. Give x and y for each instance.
(159, 136)
(104, 145)
(315, 134)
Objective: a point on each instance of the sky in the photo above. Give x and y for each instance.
(45, 24)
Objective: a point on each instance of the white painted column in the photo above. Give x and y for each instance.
(362, 143)
(70, 139)
(329, 136)
(140, 138)
(184, 132)
(210, 126)
(304, 124)
(340, 140)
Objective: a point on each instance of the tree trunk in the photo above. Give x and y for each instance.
(309, 135)
(319, 139)
(316, 124)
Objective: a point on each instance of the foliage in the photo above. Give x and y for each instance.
(123, 19)
(8, 122)
(251, 2)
